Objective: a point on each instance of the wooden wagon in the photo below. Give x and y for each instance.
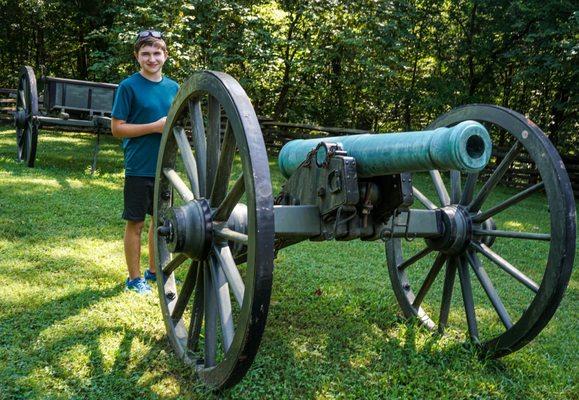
(79, 106)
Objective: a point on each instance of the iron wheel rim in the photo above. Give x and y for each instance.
(27, 103)
(236, 360)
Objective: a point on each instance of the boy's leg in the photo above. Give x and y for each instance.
(151, 246)
(133, 248)
(138, 197)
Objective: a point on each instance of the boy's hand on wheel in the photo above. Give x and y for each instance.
(161, 124)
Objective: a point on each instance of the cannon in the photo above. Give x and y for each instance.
(219, 225)
(80, 106)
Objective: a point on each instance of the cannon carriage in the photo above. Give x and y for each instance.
(220, 225)
(68, 104)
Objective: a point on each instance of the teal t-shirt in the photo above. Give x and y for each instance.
(141, 101)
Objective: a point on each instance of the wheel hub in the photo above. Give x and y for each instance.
(488, 225)
(457, 231)
(238, 222)
(188, 229)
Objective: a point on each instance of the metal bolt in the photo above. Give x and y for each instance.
(164, 230)
(170, 295)
(166, 195)
(406, 286)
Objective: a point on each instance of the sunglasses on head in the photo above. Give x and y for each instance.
(145, 34)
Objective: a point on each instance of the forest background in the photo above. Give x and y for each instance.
(368, 64)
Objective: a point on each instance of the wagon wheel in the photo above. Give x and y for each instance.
(216, 308)
(26, 110)
(507, 299)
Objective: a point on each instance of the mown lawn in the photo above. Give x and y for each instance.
(68, 330)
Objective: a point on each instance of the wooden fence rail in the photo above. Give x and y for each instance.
(7, 104)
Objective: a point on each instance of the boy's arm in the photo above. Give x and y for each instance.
(121, 129)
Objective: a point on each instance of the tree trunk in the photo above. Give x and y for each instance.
(281, 104)
(410, 95)
(407, 113)
(81, 55)
(562, 96)
(472, 79)
(40, 53)
(507, 89)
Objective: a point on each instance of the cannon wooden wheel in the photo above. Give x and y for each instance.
(26, 110)
(506, 301)
(214, 300)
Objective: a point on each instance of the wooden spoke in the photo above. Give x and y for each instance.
(178, 184)
(181, 332)
(440, 188)
(22, 99)
(188, 160)
(228, 234)
(489, 289)
(494, 179)
(21, 137)
(223, 303)
(418, 256)
(210, 317)
(423, 199)
(224, 167)
(429, 280)
(197, 311)
(228, 204)
(455, 186)
(505, 265)
(228, 266)
(213, 140)
(512, 234)
(467, 299)
(199, 143)
(174, 264)
(451, 266)
(169, 295)
(186, 290)
(469, 187)
(509, 202)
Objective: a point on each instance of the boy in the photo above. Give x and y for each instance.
(141, 105)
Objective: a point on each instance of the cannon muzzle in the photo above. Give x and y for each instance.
(465, 147)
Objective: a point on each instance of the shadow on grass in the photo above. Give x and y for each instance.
(124, 377)
(36, 370)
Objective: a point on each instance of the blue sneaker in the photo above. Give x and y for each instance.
(138, 285)
(150, 276)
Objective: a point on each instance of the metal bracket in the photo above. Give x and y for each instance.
(343, 221)
(390, 230)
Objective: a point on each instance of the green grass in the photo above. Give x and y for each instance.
(69, 331)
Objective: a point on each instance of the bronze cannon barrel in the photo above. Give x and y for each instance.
(465, 147)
